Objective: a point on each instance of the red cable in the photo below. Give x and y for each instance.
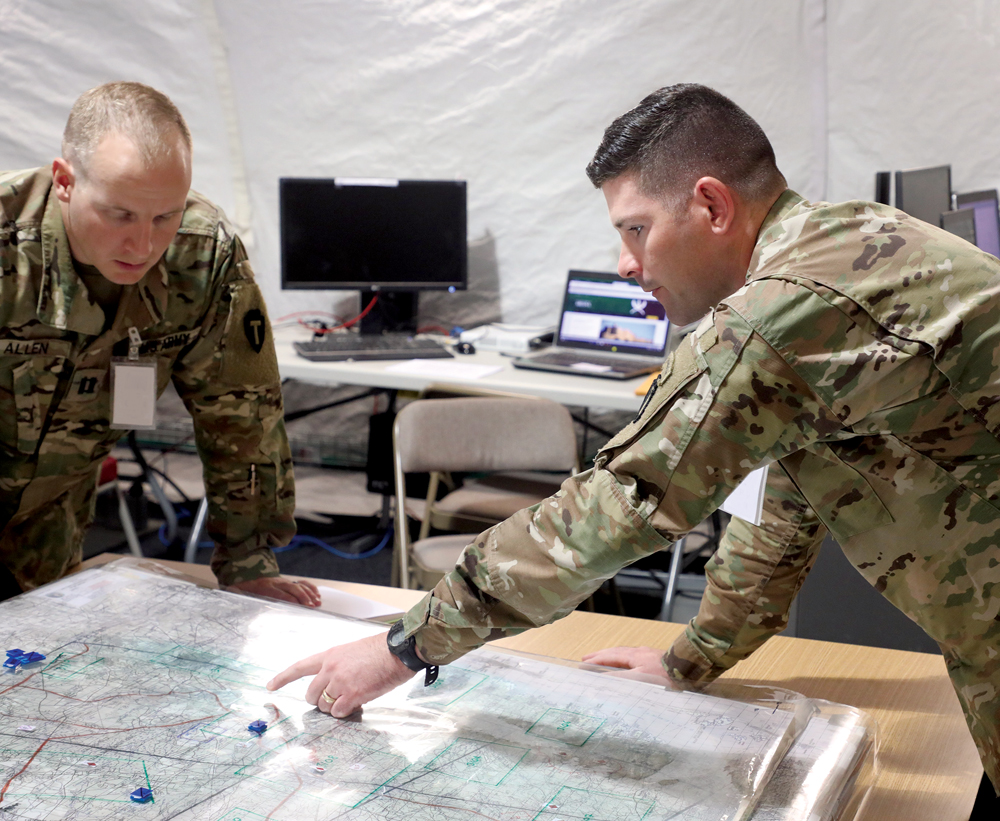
(349, 322)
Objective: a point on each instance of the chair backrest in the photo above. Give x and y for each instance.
(476, 434)
(484, 434)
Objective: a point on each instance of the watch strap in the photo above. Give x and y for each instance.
(406, 652)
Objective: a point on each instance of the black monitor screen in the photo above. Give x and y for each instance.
(924, 193)
(987, 218)
(373, 234)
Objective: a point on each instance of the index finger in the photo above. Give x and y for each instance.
(306, 667)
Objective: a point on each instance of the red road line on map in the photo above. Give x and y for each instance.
(285, 799)
(105, 730)
(3, 792)
(86, 735)
(127, 695)
(102, 731)
(27, 764)
(26, 679)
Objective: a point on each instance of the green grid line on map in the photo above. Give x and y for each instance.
(239, 814)
(71, 667)
(266, 753)
(149, 786)
(341, 769)
(481, 762)
(575, 729)
(238, 730)
(587, 805)
(100, 783)
(451, 685)
(204, 663)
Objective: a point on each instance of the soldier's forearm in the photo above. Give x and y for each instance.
(535, 567)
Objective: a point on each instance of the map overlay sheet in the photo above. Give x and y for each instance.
(151, 681)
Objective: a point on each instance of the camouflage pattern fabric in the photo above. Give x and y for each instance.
(862, 362)
(201, 317)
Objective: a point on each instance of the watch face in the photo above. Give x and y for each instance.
(395, 637)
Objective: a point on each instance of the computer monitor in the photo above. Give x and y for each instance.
(386, 237)
(987, 218)
(961, 222)
(883, 185)
(924, 193)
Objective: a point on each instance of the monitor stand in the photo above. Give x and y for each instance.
(395, 311)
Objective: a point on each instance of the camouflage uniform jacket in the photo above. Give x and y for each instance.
(201, 318)
(861, 360)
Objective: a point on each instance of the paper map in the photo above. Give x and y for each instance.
(152, 682)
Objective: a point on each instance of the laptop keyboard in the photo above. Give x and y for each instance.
(342, 347)
(566, 359)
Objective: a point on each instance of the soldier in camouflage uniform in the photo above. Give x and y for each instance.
(853, 349)
(109, 244)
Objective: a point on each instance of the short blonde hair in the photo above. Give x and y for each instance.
(144, 115)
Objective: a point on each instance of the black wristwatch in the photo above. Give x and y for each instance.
(405, 649)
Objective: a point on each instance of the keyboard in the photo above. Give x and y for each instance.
(349, 346)
(568, 359)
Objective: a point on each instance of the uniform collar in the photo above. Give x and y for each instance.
(781, 208)
(152, 290)
(63, 300)
(770, 228)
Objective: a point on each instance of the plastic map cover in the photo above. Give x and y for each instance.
(153, 682)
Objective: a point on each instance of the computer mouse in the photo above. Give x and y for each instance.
(465, 347)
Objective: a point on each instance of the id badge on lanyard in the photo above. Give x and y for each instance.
(133, 388)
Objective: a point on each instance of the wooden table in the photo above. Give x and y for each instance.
(930, 770)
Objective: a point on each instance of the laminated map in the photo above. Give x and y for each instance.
(145, 707)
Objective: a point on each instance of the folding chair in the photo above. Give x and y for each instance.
(478, 502)
(472, 435)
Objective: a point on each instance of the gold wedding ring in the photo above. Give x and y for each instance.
(326, 697)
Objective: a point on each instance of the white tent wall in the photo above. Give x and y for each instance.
(53, 50)
(913, 84)
(511, 96)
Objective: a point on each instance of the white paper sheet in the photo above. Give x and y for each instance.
(347, 604)
(444, 369)
(747, 501)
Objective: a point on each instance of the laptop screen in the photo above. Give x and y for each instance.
(607, 313)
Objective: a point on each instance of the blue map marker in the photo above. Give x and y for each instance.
(258, 727)
(19, 657)
(141, 795)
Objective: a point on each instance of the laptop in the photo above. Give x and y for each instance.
(609, 327)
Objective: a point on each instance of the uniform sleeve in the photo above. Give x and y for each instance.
(751, 582)
(230, 384)
(725, 404)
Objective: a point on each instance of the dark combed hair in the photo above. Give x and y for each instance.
(684, 132)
